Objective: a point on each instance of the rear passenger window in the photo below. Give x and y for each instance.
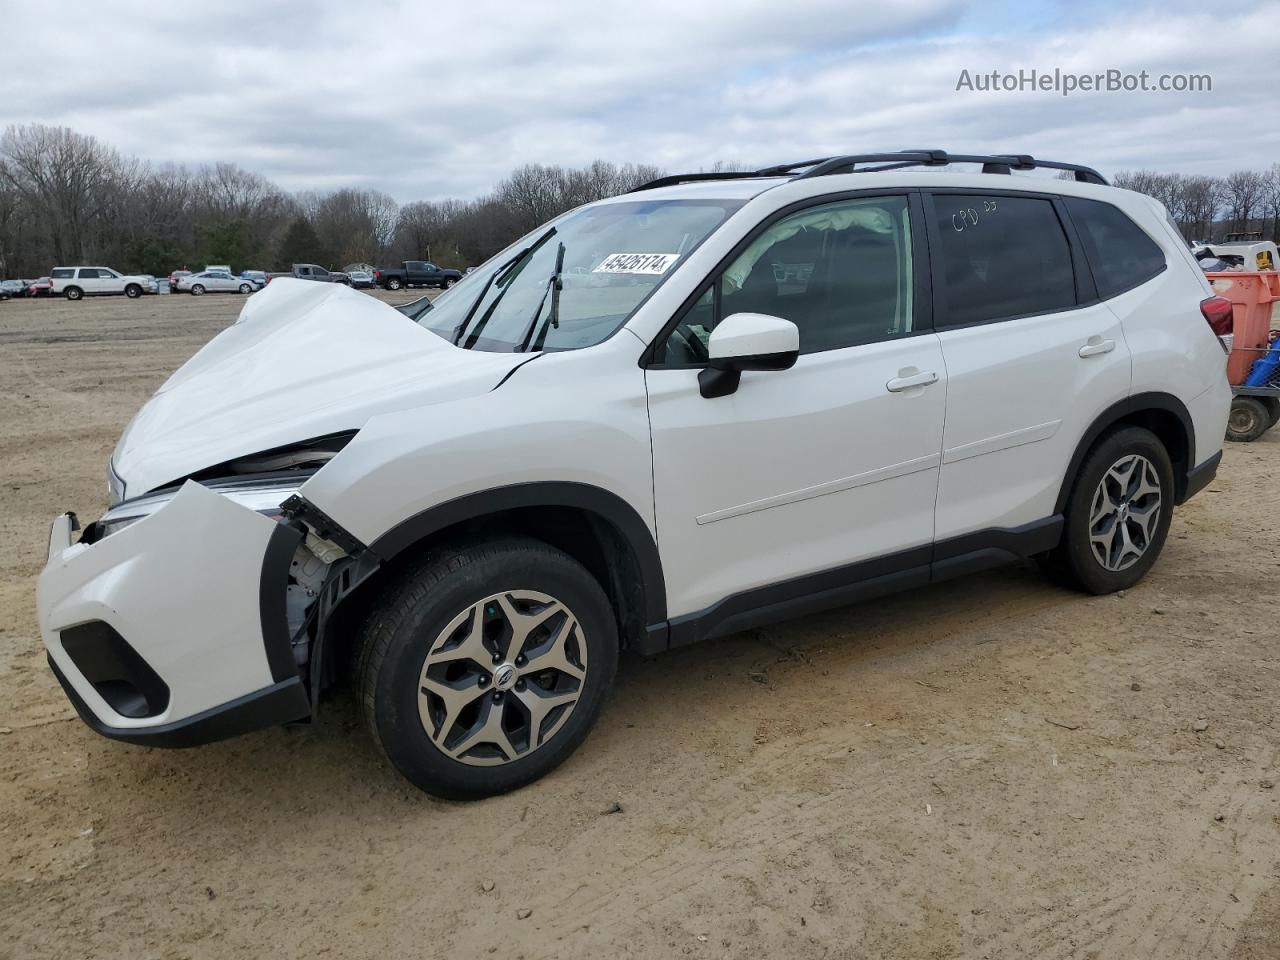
(1120, 253)
(89, 274)
(1000, 257)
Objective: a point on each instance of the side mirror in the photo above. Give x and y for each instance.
(747, 341)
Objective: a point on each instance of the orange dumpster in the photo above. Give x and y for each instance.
(1252, 296)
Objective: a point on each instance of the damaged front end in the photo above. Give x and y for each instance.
(196, 612)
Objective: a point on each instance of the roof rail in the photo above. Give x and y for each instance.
(999, 163)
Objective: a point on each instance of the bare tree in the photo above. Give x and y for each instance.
(1242, 193)
(66, 177)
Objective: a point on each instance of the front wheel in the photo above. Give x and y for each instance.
(246, 288)
(133, 291)
(448, 282)
(197, 290)
(482, 669)
(1118, 514)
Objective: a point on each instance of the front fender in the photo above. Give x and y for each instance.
(578, 417)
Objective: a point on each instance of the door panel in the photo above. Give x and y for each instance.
(1020, 396)
(797, 472)
(1029, 367)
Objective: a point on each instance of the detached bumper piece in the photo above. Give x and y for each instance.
(173, 632)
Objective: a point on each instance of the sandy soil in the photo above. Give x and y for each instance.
(992, 768)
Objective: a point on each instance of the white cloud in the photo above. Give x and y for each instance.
(443, 99)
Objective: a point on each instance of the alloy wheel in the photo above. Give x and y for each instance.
(502, 677)
(1125, 513)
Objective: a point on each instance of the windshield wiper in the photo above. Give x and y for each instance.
(554, 286)
(498, 277)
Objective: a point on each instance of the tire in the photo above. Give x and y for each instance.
(1273, 408)
(73, 293)
(1248, 420)
(246, 288)
(1139, 476)
(133, 291)
(448, 282)
(424, 616)
(393, 284)
(197, 290)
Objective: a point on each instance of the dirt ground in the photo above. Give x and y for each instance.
(993, 768)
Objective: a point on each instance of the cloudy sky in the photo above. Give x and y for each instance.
(429, 100)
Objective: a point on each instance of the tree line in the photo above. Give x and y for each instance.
(67, 198)
(1209, 208)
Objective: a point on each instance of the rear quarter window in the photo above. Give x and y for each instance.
(62, 273)
(1120, 253)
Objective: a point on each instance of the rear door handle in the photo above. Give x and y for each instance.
(924, 379)
(1096, 346)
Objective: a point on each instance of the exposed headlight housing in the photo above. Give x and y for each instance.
(264, 496)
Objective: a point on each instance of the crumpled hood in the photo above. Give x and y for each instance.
(303, 360)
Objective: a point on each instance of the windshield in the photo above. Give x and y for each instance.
(571, 285)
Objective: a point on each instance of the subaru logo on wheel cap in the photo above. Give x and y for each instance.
(504, 677)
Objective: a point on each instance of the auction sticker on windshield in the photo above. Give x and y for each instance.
(650, 263)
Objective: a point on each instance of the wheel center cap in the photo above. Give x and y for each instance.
(1124, 511)
(504, 677)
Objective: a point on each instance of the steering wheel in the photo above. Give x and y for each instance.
(691, 344)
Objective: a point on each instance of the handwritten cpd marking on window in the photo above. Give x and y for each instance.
(967, 217)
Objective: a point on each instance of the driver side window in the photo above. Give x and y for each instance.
(841, 272)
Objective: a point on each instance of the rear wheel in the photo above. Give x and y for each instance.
(393, 283)
(1249, 419)
(1118, 514)
(1273, 408)
(197, 290)
(73, 293)
(483, 668)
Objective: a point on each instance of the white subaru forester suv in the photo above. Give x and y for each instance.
(711, 403)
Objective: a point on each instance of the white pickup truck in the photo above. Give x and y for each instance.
(76, 282)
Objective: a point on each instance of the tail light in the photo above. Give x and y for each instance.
(1217, 312)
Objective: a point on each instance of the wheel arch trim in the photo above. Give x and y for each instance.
(580, 496)
(1118, 413)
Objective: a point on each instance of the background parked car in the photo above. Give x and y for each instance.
(309, 271)
(77, 282)
(416, 273)
(175, 277)
(215, 281)
(43, 287)
(13, 288)
(257, 277)
(361, 279)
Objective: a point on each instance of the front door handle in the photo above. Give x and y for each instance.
(1096, 346)
(923, 379)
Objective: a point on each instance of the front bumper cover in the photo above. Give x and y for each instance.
(280, 703)
(197, 589)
